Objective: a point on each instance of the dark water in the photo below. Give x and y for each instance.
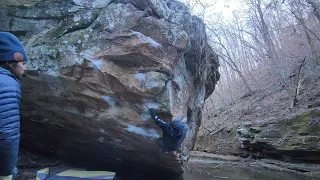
(236, 173)
(224, 173)
(266, 175)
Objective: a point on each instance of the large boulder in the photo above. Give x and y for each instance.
(94, 64)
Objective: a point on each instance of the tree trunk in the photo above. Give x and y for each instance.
(295, 96)
(316, 7)
(271, 48)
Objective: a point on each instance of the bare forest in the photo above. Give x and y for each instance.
(269, 59)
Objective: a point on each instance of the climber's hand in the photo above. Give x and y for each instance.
(149, 105)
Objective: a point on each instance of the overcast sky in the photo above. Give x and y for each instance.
(225, 7)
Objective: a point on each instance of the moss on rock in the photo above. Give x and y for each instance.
(303, 124)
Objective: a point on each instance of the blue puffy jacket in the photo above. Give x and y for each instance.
(10, 95)
(173, 133)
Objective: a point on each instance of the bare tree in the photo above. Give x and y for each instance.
(229, 59)
(263, 45)
(316, 7)
(295, 96)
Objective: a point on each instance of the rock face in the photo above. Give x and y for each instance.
(94, 64)
(294, 139)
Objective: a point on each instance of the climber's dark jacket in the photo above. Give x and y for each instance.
(173, 133)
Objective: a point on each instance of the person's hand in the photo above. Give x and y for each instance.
(149, 105)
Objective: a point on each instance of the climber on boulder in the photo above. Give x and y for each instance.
(12, 67)
(173, 133)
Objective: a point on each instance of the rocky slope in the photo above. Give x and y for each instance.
(263, 126)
